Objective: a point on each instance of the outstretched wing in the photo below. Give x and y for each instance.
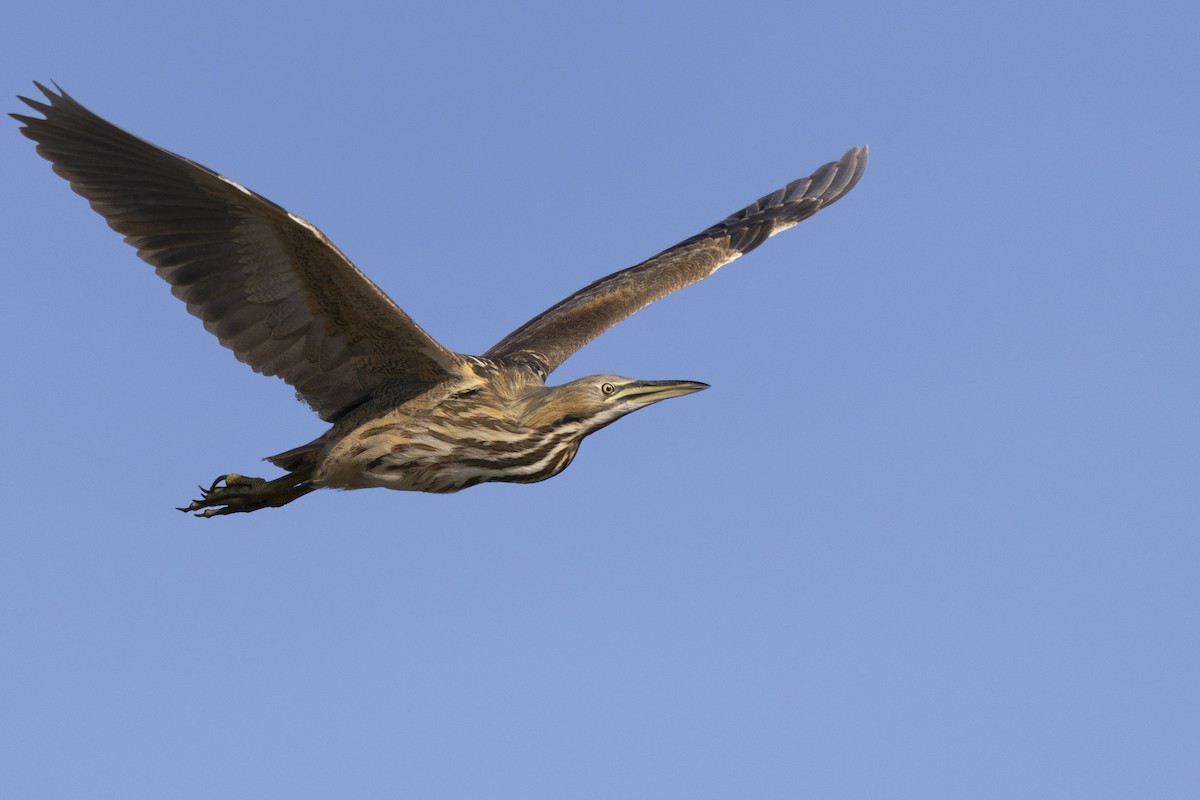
(269, 285)
(551, 337)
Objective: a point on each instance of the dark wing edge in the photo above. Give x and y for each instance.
(267, 284)
(554, 335)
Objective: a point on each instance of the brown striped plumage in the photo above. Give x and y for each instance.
(406, 413)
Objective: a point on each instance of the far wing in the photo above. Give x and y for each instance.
(551, 337)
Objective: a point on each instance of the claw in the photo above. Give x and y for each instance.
(233, 493)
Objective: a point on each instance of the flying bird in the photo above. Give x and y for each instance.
(405, 412)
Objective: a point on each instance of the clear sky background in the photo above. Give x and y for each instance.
(933, 533)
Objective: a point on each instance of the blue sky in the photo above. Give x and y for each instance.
(933, 532)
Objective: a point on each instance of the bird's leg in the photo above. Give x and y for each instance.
(231, 494)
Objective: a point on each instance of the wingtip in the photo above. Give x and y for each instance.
(856, 159)
(55, 102)
(840, 176)
(50, 94)
(41, 106)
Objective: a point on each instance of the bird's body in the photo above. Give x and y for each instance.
(500, 424)
(406, 413)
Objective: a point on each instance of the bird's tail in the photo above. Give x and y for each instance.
(298, 458)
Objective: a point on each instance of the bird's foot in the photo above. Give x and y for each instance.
(232, 494)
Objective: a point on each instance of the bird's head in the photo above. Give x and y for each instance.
(598, 400)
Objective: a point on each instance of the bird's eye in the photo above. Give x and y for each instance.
(607, 389)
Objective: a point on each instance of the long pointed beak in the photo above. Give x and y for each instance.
(648, 392)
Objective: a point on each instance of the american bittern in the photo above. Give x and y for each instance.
(406, 412)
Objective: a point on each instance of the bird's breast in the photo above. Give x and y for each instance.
(444, 453)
